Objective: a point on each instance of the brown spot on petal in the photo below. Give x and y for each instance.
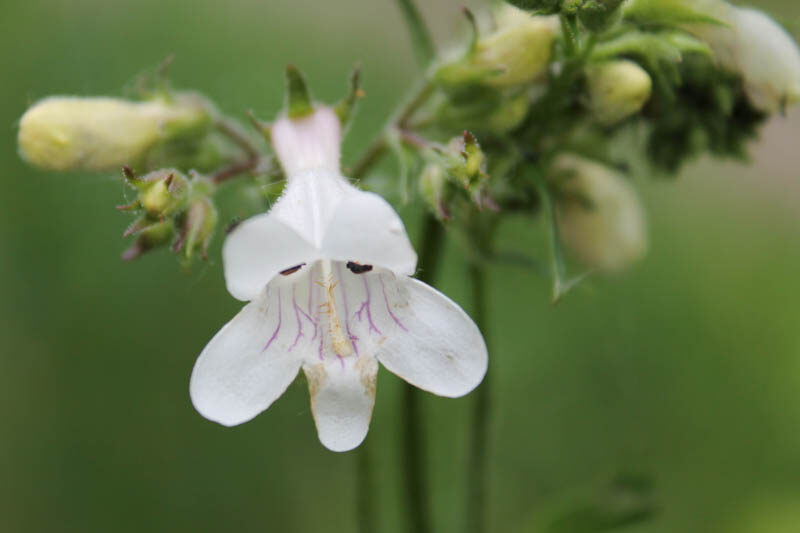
(316, 376)
(368, 370)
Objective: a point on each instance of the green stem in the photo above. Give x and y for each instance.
(477, 473)
(416, 482)
(239, 136)
(399, 120)
(479, 438)
(431, 248)
(365, 490)
(420, 36)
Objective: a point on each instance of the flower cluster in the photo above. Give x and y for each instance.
(548, 110)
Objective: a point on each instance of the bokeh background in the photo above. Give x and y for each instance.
(686, 371)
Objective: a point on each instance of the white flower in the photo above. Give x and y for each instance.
(326, 272)
(759, 49)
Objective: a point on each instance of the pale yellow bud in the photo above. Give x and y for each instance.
(519, 49)
(99, 134)
(599, 215)
(617, 90)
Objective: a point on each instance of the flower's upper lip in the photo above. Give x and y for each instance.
(357, 226)
(319, 216)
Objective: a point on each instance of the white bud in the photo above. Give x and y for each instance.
(98, 134)
(760, 50)
(520, 47)
(599, 215)
(617, 90)
(768, 60)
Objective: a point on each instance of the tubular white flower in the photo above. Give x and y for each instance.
(758, 48)
(327, 272)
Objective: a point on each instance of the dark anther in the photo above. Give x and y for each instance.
(233, 225)
(355, 268)
(292, 270)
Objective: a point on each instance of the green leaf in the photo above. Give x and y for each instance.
(668, 13)
(420, 36)
(710, 113)
(544, 7)
(615, 505)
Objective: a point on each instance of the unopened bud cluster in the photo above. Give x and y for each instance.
(456, 175)
(174, 209)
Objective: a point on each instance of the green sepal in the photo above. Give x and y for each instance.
(155, 235)
(346, 107)
(298, 97)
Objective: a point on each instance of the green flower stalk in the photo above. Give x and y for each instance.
(69, 133)
(617, 90)
(599, 215)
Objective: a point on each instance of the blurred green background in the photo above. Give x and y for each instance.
(686, 370)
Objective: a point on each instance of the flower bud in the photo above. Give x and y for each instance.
(520, 47)
(756, 47)
(199, 225)
(768, 59)
(433, 187)
(153, 236)
(162, 192)
(597, 15)
(99, 134)
(617, 90)
(516, 53)
(599, 215)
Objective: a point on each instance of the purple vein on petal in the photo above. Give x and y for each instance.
(297, 312)
(278, 327)
(353, 339)
(388, 307)
(366, 305)
(319, 351)
(312, 287)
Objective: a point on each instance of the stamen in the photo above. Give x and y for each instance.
(340, 342)
(357, 268)
(291, 270)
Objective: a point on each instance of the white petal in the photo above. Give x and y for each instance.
(309, 202)
(246, 367)
(769, 60)
(257, 251)
(342, 397)
(436, 346)
(366, 229)
(308, 143)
